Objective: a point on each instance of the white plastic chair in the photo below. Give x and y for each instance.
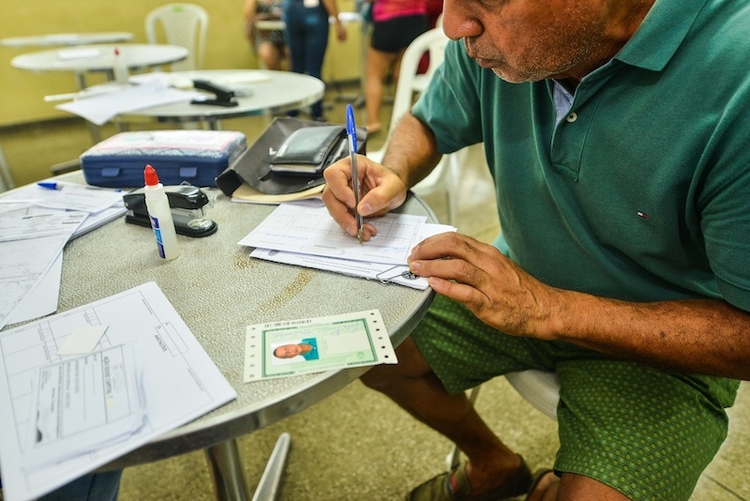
(183, 24)
(410, 83)
(6, 177)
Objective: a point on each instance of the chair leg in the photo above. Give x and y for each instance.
(268, 488)
(6, 177)
(228, 474)
(452, 460)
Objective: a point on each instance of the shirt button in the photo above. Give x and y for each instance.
(572, 117)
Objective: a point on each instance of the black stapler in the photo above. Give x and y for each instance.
(224, 97)
(187, 204)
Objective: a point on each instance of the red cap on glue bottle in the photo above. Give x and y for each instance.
(150, 176)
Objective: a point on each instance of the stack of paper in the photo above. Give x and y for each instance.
(247, 194)
(304, 234)
(100, 107)
(35, 225)
(62, 416)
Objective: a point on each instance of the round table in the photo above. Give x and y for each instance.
(267, 90)
(99, 57)
(60, 39)
(218, 290)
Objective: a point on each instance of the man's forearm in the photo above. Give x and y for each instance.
(690, 336)
(411, 152)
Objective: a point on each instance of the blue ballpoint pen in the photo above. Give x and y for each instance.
(351, 131)
(49, 186)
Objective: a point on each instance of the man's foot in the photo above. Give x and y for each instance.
(454, 486)
(544, 486)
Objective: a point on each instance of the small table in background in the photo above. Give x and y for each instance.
(83, 59)
(62, 39)
(258, 91)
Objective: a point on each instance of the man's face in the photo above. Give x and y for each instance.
(529, 40)
(288, 351)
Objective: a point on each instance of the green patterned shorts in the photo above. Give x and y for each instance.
(647, 433)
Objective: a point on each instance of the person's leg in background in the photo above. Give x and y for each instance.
(294, 35)
(316, 42)
(271, 54)
(376, 71)
(390, 38)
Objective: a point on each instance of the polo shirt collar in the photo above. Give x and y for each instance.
(661, 33)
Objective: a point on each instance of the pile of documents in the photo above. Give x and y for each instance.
(102, 103)
(36, 221)
(304, 234)
(81, 388)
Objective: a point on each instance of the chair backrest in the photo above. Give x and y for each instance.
(541, 389)
(183, 24)
(409, 82)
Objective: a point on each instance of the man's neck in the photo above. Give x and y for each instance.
(626, 17)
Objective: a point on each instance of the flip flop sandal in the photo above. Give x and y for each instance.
(454, 486)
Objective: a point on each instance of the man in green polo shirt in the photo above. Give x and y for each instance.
(616, 132)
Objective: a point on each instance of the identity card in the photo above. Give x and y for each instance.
(302, 346)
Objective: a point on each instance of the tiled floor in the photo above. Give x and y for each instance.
(357, 445)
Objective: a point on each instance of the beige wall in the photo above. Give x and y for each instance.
(22, 93)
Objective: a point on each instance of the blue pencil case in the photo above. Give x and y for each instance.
(195, 156)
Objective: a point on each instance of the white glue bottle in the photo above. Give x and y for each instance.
(120, 69)
(160, 215)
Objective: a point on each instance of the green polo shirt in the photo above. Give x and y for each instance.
(643, 191)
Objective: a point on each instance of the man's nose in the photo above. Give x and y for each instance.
(459, 20)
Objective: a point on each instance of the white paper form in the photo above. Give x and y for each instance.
(101, 108)
(395, 273)
(240, 83)
(281, 349)
(26, 260)
(69, 196)
(82, 403)
(23, 224)
(180, 382)
(43, 299)
(309, 229)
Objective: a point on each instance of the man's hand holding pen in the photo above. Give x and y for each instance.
(381, 191)
(357, 187)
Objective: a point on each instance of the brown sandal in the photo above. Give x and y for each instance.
(454, 486)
